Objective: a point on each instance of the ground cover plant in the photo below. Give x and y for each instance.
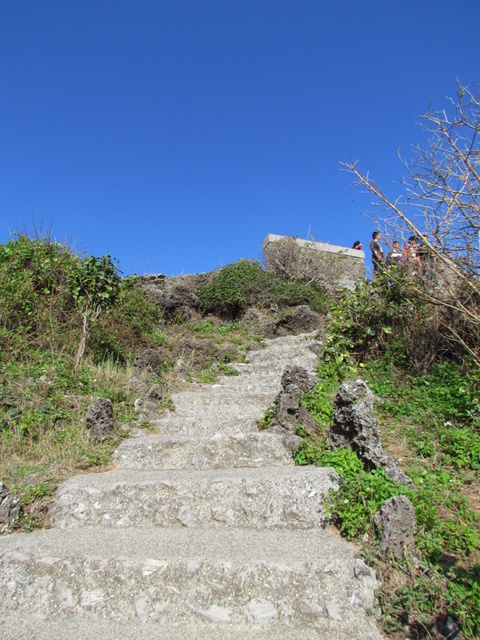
(429, 415)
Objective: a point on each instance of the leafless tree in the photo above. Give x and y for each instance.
(440, 204)
(302, 262)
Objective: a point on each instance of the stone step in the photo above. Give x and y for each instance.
(287, 348)
(176, 425)
(277, 362)
(222, 402)
(30, 627)
(216, 452)
(267, 382)
(259, 389)
(204, 579)
(275, 366)
(280, 497)
(280, 354)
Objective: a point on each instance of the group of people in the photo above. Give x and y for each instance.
(414, 254)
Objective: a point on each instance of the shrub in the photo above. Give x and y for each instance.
(387, 317)
(245, 283)
(32, 283)
(302, 263)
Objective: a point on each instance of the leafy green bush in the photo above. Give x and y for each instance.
(360, 494)
(130, 326)
(32, 287)
(245, 283)
(387, 317)
(94, 283)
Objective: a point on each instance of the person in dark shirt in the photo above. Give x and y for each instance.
(357, 245)
(378, 258)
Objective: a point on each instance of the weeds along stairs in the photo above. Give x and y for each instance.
(204, 530)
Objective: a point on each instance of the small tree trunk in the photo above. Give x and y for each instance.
(83, 340)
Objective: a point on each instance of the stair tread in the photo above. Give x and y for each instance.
(29, 627)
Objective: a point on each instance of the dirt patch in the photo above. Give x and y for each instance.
(472, 493)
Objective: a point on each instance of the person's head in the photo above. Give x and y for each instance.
(376, 235)
(396, 244)
(412, 240)
(357, 245)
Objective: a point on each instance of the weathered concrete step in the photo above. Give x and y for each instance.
(274, 367)
(30, 627)
(221, 402)
(219, 451)
(300, 347)
(236, 578)
(177, 425)
(232, 386)
(280, 497)
(267, 382)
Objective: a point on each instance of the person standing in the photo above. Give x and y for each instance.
(378, 258)
(412, 257)
(395, 255)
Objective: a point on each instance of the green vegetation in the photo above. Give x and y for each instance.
(244, 283)
(206, 328)
(94, 284)
(52, 301)
(268, 417)
(430, 420)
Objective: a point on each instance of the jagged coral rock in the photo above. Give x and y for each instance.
(355, 427)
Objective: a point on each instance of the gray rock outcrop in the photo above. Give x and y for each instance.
(289, 411)
(9, 508)
(99, 419)
(299, 320)
(396, 523)
(355, 427)
(150, 361)
(176, 297)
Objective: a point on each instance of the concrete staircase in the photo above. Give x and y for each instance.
(206, 530)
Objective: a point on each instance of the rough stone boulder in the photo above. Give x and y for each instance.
(149, 360)
(194, 352)
(9, 508)
(99, 419)
(295, 376)
(289, 412)
(175, 296)
(301, 320)
(355, 427)
(157, 392)
(396, 523)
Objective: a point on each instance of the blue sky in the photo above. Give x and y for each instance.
(176, 134)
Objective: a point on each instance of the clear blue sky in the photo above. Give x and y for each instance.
(176, 134)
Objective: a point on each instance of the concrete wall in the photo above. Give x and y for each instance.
(329, 265)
